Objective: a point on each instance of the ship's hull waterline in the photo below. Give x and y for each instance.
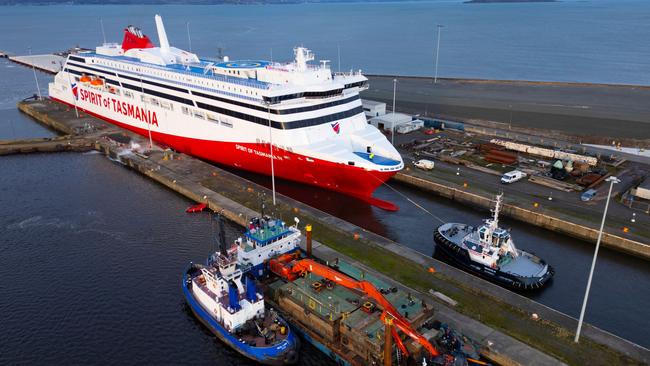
(350, 180)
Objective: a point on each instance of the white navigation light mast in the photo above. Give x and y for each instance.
(497, 208)
(303, 55)
(101, 23)
(435, 77)
(268, 113)
(338, 48)
(612, 180)
(189, 39)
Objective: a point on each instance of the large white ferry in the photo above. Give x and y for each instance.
(232, 112)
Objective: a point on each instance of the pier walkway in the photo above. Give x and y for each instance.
(47, 63)
(56, 144)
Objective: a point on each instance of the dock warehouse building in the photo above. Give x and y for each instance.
(389, 120)
(643, 190)
(372, 108)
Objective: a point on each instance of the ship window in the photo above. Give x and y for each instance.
(212, 117)
(185, 110)
(199, 115)
(227, 124)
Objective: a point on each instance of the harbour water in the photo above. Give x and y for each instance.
(601, 41)
(91, 266)
(92, 253)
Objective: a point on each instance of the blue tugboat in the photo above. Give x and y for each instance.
(489, 252)
(226, 301)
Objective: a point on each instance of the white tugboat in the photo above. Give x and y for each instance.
(490, 252)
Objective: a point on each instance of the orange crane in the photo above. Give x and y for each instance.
(289, 267)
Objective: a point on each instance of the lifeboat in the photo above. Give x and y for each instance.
(196, 208)
(97, 82)
(84, 78)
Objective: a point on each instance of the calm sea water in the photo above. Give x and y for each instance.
(601, 41)
(91, 264)
(91, 252)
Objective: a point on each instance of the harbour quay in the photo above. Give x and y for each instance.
(501, 320)
(478, 130)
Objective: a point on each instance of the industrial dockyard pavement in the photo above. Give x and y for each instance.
(592, 111)
(579, 219)
(506, 316)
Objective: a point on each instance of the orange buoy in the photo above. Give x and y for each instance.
(84, 78)
(356, 236)
(97, 81)
(432, 270)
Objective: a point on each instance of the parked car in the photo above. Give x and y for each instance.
(424, 164)
(513, 176)
(588, 195)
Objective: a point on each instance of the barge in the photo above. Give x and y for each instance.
(358, 319)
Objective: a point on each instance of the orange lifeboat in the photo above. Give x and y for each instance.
(97, 82)
(84, 78)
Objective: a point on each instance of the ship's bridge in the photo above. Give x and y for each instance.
(264, 233)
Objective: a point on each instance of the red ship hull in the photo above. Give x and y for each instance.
(288, 165)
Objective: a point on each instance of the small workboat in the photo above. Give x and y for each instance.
(199, 207)
(227, 302)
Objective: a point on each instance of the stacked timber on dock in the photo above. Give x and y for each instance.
(408, 270)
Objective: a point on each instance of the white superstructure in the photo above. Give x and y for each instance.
(230, 112)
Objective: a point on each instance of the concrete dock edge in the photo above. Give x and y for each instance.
(615, 242)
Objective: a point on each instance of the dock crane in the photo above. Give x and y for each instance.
(288, 266)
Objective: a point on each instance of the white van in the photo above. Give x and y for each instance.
(513, 176)
(424, 164)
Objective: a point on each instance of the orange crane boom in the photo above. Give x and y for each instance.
(288, 267)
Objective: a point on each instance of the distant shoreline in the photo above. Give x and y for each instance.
(508, 1)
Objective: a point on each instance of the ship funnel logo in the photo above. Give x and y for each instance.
(336, 127)
(75, 91)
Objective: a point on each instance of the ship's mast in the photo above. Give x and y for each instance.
(497, 208)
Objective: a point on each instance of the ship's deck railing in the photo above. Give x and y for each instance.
(269, 235)
(291, 66)
(248, 82)
(348, 73)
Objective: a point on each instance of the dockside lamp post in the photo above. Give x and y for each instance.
(268, 116)
(392, 125)
(38, 88)
(435, 76)
(612, 180)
